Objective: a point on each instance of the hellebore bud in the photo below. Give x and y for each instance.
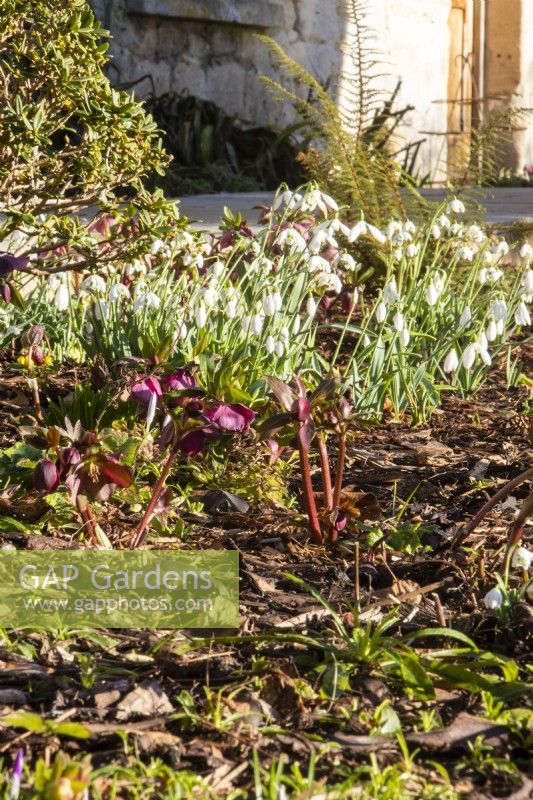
(69, 457)
(45, 476)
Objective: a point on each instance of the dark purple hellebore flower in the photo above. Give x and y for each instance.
(193, 442)
(178, 381)
(69, 457)
(231, 416)
(45, 476)
(9, 263)
(142, 392)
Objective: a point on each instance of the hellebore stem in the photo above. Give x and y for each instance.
(339, 473)
(307, 488)
(326, 472)
(87, 517)
(140, 533)
(500, 495)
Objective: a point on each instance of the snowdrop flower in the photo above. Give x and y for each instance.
(200, 316)
(488, 257)
(381, 312)
(409, 226)
(526, 251)
(366, 340)
(483, 275)
(117, 291)
(62, 297)
(311, 306)
(278, 302)
(527, 280)
(287, 198)
(336, 225)
(482, 340)
(444, 221)
(494, 275)
(317, 199)
(466, 318)
(159, 246)
(291, 238)
(210, 297)
(469, 355)
(492, 331)
(493, 600)
(329, 282)
(398, 321)
(296, 325)
(94, 283)
(465, 253)
(218, 269)
(436, 232)
(484, 355)
(455, 206)
(404, 337)
(392, 228)
(269, 306)
(412, 250)
(500, 327)
(279, 349)
(451, 362)
(54, 281)
(101, 310)
(398, 254)
(502, 248)
(318, 241)
(256, 324)
(270, 344)
(182, 330)
(348, 262)
(358, 230)
(456, 229)
(432, 294)
(363, 227)
(390, 292)
(521, 315)
(147, 300)
(376, 234)
(522, 558)
(498, 310)
(231, 308)
(475, 233)
(318, 264)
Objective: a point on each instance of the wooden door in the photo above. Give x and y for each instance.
(461, 65)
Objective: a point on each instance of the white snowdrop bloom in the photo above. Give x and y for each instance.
(337, 226)
(200, 316)
(218, 269)
(522, 558)
(502, 248)
(348, 262)
(488, 257)
(444, 221)
(187, 259)
(246, 322)
(147, 300)
(150, 413)
(318, 264)
(412, 250)
(286, 198)
(231, 308)
(285, 335)
(498, 310)
(493, 600)
(500, 327)
(159, 246)
(409, 226)
(494, 275)
(270, 344)
(198, 261)
(182, 330)
(318, 241)
(475, 233)
(482, 340)
(466, 318)
(381, 312)
(62, 297)
(521, 315)
(256, 324)
(451, 362)
(93, 283)
(184, 239)
(465, 253)
(54, 281)
(436, 231)
(526, 251)
(366, 340)
(398, 321)
(485, 356)
(89, 328)
(358, 230)
(439, 280)
(291, 239)
(296, 326)
(311, 306)
(399, 238)
(278, 301)
(527, 280)
(404, 337)
(210, 297)
(376, 234)
(269, 306)
(455, 206)
(492, 331)
(316, 199)
(469, 355)
(432, 294)
(329, 281)
(117, 291)
(398, 254)
(279, 348)
(456, 229)
(390, 292)
(483, 275)
(393, 227)
(101, 310)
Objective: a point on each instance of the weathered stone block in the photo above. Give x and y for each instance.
(263, 14)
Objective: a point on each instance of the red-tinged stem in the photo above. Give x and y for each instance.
(339, 474)
(309, 497)
(326, 472)
(500, 495)
(518, 526)
(87, 518)
(140, 533)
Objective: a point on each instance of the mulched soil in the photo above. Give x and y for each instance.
(444, 471)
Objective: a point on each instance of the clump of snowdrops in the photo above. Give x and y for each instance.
(244, 305)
